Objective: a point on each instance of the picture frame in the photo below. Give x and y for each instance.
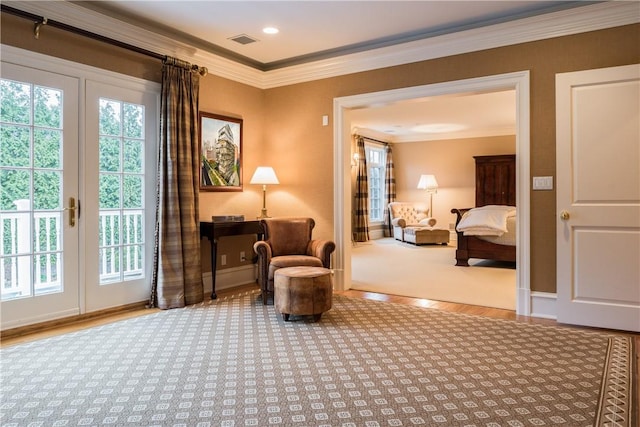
(220, 152)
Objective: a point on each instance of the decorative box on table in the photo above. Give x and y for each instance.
(227, 218)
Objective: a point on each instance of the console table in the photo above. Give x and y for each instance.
(214, 230)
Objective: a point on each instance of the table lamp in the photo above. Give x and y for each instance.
(264, 175)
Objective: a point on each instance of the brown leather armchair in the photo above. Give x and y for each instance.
(288, 243)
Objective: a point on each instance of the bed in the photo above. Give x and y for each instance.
(495, 185)
(499, 248)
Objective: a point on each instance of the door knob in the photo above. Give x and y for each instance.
(564, 215)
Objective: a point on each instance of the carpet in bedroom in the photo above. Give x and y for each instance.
(429, 271)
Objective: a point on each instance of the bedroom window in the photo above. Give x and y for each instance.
(376, 173)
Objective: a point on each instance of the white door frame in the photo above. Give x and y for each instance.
(342, 167)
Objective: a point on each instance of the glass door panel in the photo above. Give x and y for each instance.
(38, 175)
(121, 125)
(121, 182)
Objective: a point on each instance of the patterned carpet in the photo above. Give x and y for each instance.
(234, 362)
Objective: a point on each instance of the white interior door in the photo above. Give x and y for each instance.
(38, 178)
(598, 197)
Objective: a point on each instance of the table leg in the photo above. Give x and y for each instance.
(214, 252)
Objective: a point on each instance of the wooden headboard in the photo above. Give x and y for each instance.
(496, 180)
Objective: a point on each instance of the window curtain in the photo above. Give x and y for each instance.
(361, 208)
(177, 279)
(390, 188)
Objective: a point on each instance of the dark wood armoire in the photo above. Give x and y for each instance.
(496, 180)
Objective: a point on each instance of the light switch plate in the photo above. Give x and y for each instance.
(543, 183)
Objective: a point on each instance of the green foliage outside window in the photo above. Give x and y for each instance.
(121, 155)
(31, 142)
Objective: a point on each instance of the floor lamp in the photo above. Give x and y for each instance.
(264, 175)
(429, 183)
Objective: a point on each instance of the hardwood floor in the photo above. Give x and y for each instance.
(58, 327)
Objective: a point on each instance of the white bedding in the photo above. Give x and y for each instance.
(490, 220)
(493, 223)
(508, 238)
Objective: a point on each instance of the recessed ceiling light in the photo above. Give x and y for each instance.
(270, 30)
(438, 128)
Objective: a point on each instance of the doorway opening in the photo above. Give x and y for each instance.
(519, 81)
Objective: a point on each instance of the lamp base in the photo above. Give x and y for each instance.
(263, 214)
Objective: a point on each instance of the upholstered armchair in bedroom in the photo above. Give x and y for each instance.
(288, 243)
(405, 214)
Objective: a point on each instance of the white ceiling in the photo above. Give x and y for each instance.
(476, 115)
(310, 30)
(320, 39)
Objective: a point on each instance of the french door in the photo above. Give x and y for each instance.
(76, 209)
(38, 182)
(119, 194)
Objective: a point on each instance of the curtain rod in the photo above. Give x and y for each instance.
(375, 140)
(39, 21)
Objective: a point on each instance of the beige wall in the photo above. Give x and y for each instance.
(452, 163)
(303, 104)
(283, 126)
(221, 96)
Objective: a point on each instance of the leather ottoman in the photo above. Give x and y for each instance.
(303, 291)
(426, 235)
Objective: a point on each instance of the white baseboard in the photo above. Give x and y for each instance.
(543, 304)
(231, 277)
(376, 234)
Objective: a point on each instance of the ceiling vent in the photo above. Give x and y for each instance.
(243, 39)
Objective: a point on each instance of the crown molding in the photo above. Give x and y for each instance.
(556, 24)
(92, 21)
(486, 133)
(422, 137)
(562, 23)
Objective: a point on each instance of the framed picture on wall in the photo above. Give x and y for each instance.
(220, 153)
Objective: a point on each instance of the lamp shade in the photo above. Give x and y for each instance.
(428, 182)
(264, 175)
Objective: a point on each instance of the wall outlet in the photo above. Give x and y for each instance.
(243, 258)
(223, 260)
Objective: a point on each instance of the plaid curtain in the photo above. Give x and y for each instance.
(390, 188)
(361, 211)
(177, 279)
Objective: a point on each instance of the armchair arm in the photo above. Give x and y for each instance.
(399, 222)
(428, 221)
(263, 250)
(321, 249)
